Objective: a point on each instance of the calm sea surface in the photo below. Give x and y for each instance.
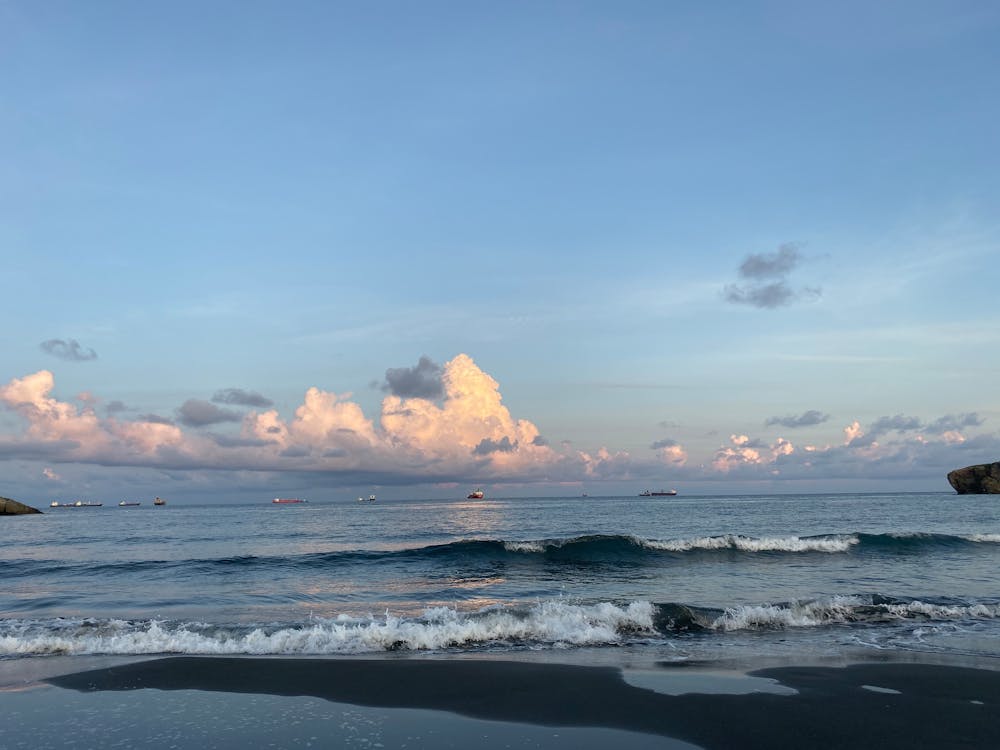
(675, 578)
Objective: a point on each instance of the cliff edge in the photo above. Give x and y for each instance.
(981, 479)
(10, 507)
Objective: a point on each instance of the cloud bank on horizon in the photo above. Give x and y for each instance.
(459, 430)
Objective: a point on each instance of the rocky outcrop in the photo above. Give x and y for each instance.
(981, 479)
(10, 507)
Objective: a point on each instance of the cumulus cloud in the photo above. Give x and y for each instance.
(765, 283)
(953, 422)
(68, 349)
(805, 419)
(898, 423)
(468, 431)
(423, 380)
(50, 474)
(197, 413)
(240, 397)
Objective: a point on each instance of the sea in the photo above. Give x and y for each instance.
(737, 578)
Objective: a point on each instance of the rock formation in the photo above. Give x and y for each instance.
(980, 479)
(10, 507)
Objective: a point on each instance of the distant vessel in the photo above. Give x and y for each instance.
(657, 493)
(287, 500)
(77, 504)
(475, 495)
(159, 501)
(371, 499)
(128, 503)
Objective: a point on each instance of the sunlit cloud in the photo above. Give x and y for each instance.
(466, 431)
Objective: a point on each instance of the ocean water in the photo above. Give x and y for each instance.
(677, 578)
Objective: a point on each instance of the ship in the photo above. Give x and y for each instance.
(77, 504)
(128, 503)
(657, 493)
(159, 501)
(287, 500)
(475, 495)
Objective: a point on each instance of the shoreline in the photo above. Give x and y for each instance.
(885, 704)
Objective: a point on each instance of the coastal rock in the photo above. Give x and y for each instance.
(10, 507)
(980, 479)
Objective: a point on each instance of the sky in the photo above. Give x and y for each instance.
(548, 248)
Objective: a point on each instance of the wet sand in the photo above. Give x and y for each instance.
(877, 705)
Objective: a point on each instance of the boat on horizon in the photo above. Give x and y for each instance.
(159, 501)
(128, 503)
(476, 494)
(77, 504)
(287, 500)
(657, 493)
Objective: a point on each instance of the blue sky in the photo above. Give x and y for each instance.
(730, 232)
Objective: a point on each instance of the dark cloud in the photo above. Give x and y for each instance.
(230, 441)
(766, 284)
(665, 443)
(539, 440)
(899, 423)
(69, 350)
(667, 424)
(771, 265)
(115, 407)
(420, 381)
(240, 397)
(805, 419)
(154, 419)
(951, 422)
(197, 413)
(487, 446)
(295, 451)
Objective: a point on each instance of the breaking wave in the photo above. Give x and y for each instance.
(547, 624)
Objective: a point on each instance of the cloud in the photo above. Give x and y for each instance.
(154, 419)
(240, 397)
(420, 381)
(486, 446)
(765, 283)
(899, 423)
(952, 422)
(665, 443)
(773, 266)
(468, 432)
(115, 407)
(69, 350)
(197, 413)
(806, 419)
(50, 475)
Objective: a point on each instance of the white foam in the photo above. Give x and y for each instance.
(550, 623)
(524, 546)
(839, 543)
(842, 609)
(983, 538)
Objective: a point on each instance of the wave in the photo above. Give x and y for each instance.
(547, 624)
(594, 548)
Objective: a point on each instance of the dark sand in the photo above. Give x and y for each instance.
(881, 705)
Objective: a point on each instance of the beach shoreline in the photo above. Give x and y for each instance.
(884, 703)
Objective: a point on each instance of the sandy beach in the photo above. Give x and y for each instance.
(405, 702)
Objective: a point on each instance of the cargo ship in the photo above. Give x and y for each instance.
(657, 493)
(475, 495)
(287, 500)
